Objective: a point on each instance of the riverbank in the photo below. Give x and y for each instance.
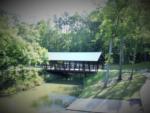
(39, 99)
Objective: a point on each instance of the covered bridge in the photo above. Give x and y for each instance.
(74, 61)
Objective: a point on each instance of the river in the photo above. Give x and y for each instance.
(47, 98)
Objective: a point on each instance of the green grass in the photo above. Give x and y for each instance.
(125, 89)
(92, 79)
(142, 65)
(23, 102)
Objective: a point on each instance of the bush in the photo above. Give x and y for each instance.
(20, 77)
(8, 91)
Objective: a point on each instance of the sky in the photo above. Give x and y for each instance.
(34, 10)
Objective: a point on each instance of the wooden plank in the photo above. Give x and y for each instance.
(69, 66)
(83, 67)
(79, 66)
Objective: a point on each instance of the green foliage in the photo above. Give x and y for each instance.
(125, 23)
(19, 78)
(16, 49)
(23, 43)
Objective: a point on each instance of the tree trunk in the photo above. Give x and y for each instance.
(131, 75)
(133, 62)
(107, 66)
(110, 46)
(120, 59)
(2, 77)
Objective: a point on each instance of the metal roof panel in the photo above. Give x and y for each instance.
(74, 56)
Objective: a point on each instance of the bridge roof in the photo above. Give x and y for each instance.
(74, 56)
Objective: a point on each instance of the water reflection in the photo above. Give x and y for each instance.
(53, 103)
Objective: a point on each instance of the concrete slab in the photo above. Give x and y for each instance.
(67, 111)
(104, 106)
(145, 96)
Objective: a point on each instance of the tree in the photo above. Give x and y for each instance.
(139, 24)
(14, 49)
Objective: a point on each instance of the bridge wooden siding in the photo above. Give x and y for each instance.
(76, 62)
(73, 67)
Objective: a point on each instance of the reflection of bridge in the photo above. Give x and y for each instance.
(78, 62)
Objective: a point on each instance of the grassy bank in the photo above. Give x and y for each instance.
(137, 66)
(125, 89)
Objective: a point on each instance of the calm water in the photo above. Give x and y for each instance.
(53, 103)
(47, 98)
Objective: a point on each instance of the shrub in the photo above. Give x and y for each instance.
(20, 78)
(8, 91)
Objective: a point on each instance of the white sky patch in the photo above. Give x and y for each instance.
(34, 10)
(65, 29)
